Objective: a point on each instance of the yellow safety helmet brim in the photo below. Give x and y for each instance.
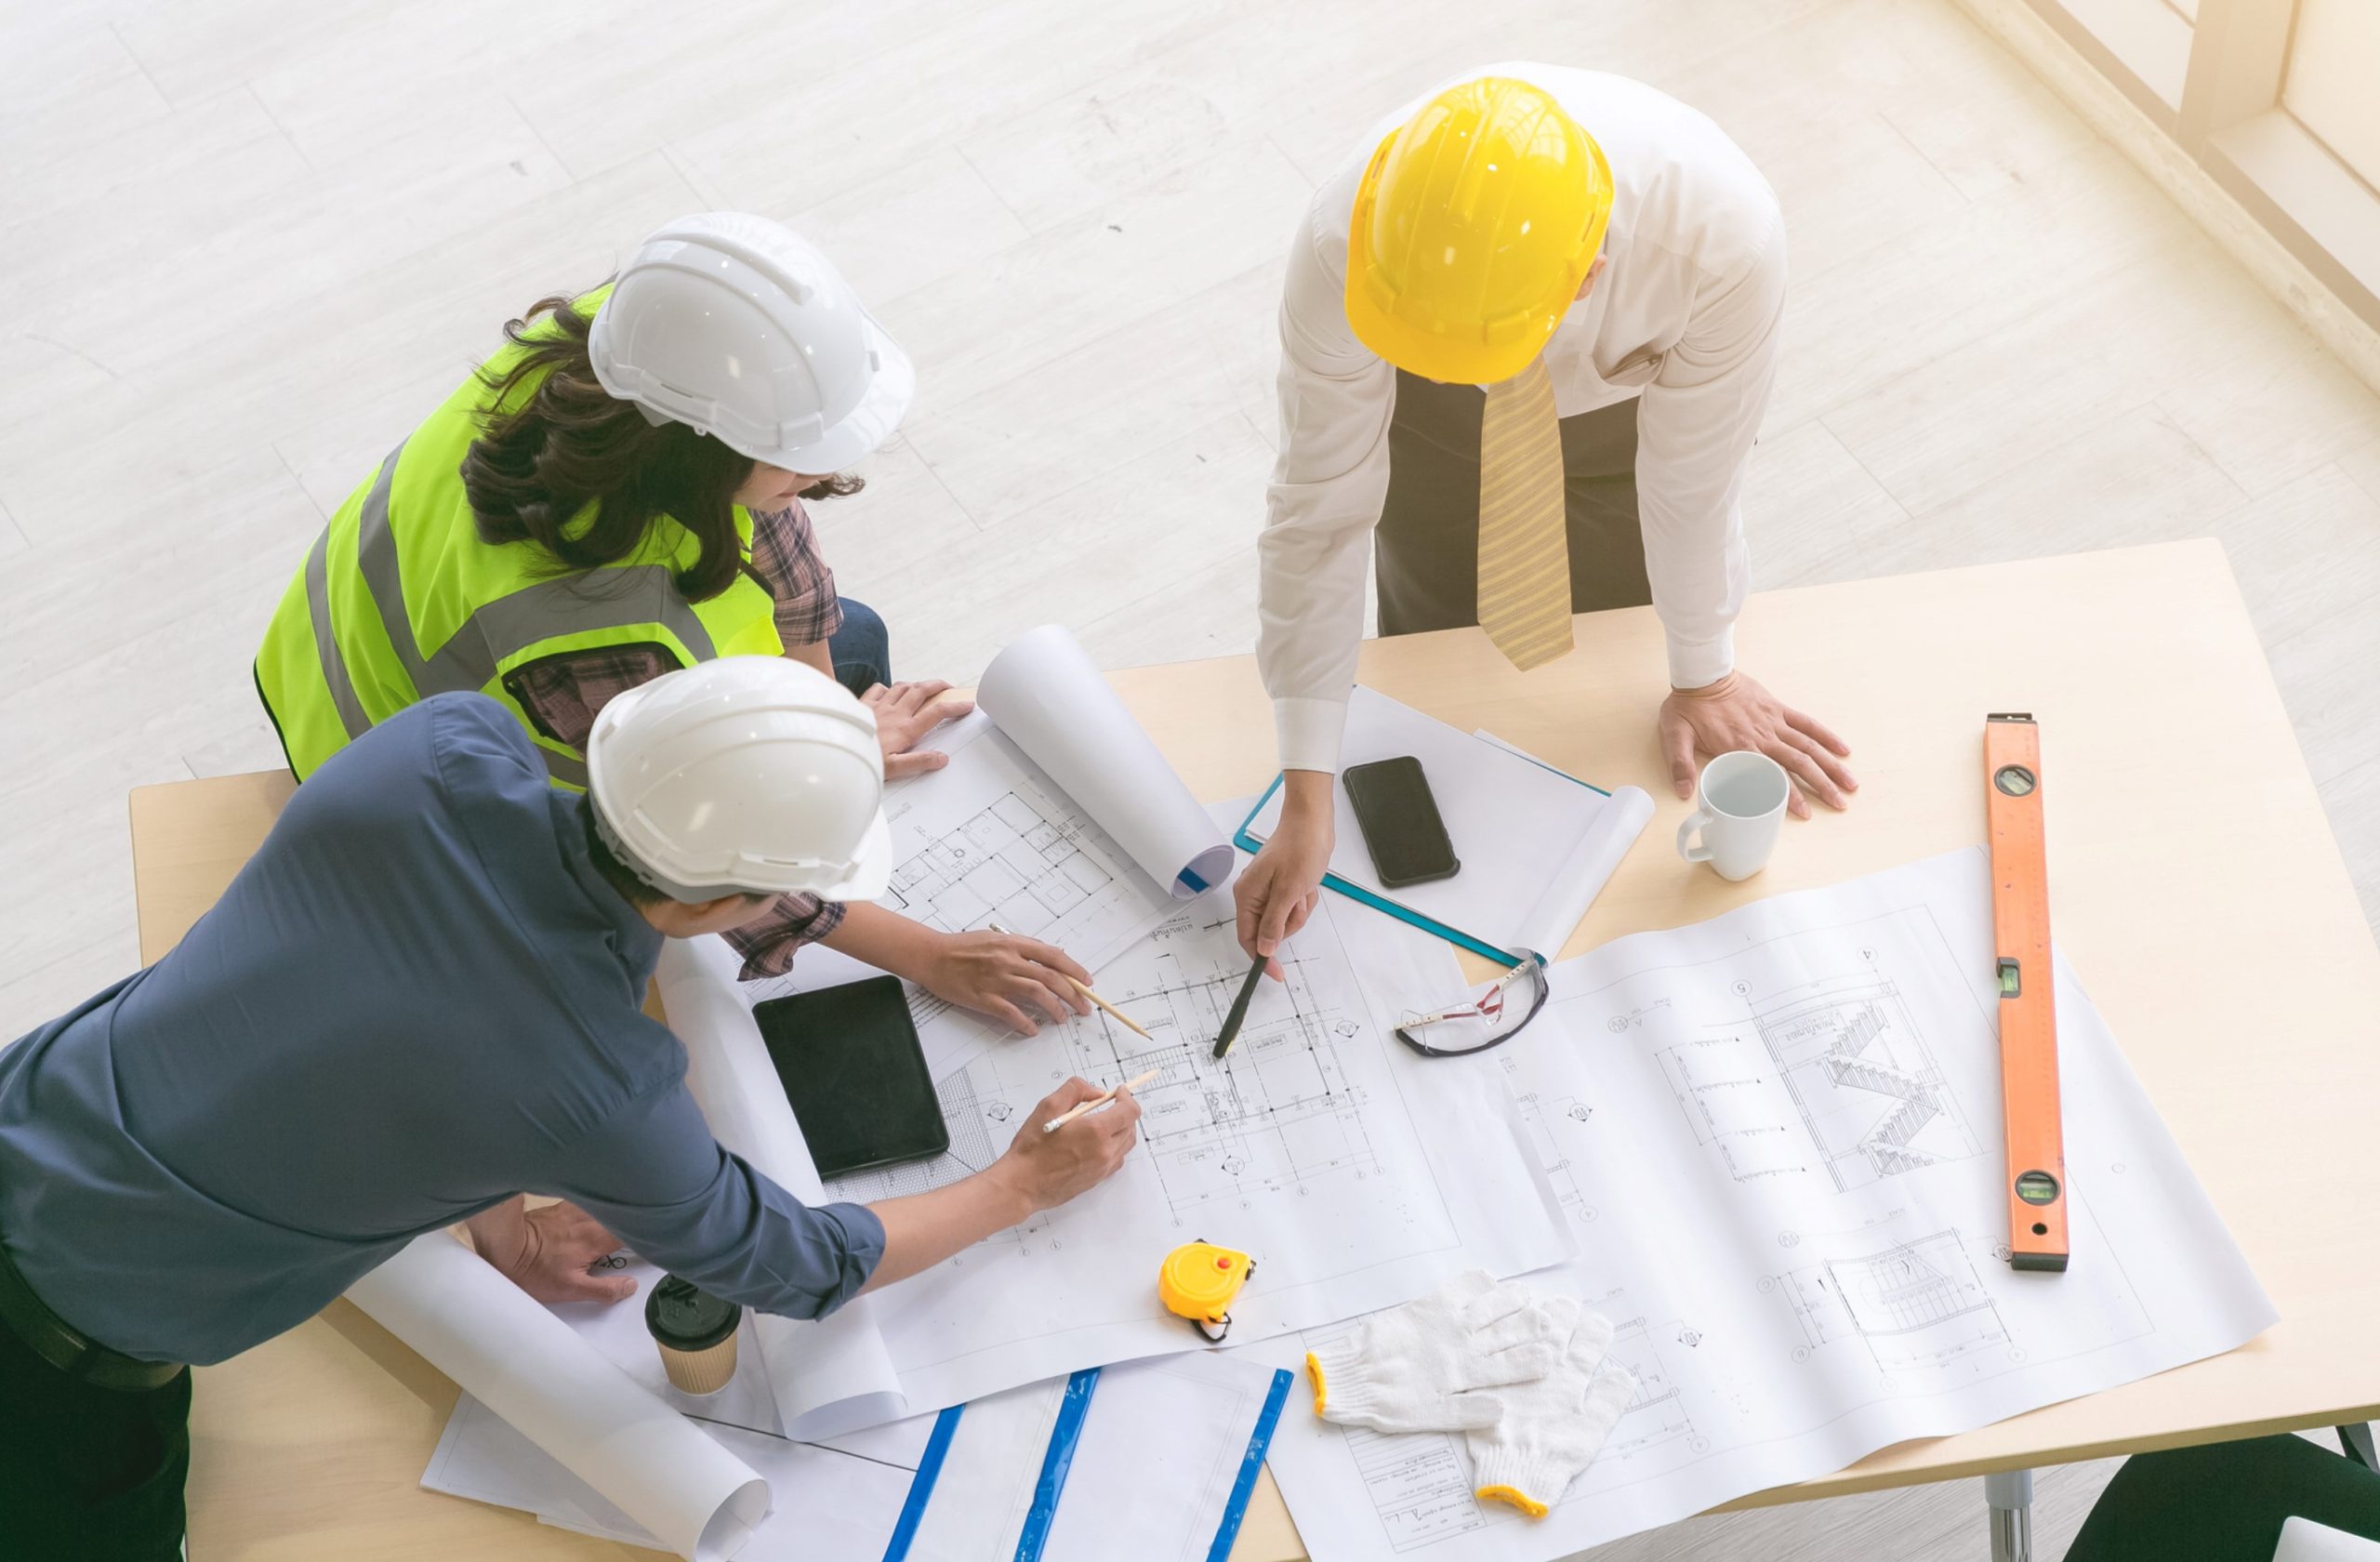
(1474, 228)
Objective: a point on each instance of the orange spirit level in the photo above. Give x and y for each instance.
(2012, 766)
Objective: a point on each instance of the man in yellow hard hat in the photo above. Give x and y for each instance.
(1527, 339)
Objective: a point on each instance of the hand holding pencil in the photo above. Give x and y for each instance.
(1049, 1167)
(1084, 989)
(1096, 1101)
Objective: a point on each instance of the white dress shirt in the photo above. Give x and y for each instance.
(1684, 315)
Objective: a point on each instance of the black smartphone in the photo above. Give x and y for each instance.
(1402, 829)
(852, 1065)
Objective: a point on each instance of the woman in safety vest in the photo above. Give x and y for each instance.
(617, 493)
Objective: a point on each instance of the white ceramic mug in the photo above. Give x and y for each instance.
(1742, 807)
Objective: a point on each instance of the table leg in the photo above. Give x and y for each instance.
(2357, 1440)
(2010, 1496)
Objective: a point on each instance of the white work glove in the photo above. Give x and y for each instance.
(1549, 1431)
(1418, 1368)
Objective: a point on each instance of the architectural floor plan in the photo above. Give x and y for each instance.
(991, 839)
(1307, 1146)
(1355, 1173)
(1775, 1138)
(1285, 1112)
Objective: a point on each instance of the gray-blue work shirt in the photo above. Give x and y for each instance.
(417, 999)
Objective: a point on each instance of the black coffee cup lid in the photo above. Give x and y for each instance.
(686, 1318)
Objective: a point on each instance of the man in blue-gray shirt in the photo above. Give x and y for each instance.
(420, 999)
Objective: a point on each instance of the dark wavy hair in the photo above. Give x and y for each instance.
(546, 457)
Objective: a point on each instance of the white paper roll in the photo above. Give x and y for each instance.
(829, 1375)
(1053, 705)
(524, 1364)
(1549, 922)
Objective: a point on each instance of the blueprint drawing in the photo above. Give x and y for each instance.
(1775, 1138)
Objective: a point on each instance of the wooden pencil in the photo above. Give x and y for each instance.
(1071, 1113)
(1121, 1018)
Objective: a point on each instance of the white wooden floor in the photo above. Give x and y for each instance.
(244, 243)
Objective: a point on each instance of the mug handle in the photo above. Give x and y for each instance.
(1694, 820)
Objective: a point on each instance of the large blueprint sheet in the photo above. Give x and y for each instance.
(1356, 1175)
(1777, 1137)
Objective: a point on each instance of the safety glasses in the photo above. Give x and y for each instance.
(1485, 1020)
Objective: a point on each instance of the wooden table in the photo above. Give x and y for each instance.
(2195, 884)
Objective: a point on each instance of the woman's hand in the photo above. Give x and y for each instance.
(905, 713)
(1735, 712)
(1008, 978)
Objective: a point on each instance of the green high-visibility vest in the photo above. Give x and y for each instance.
(400, 598)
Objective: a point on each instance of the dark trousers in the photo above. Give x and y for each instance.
(862, 649)
(2224, 1503)
(1426, 552)
(88, 1474)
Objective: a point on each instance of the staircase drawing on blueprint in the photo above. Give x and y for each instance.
(1917, 1305)
(1278, 1113)
(1833, 1076)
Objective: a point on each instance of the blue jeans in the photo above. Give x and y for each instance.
(861, 650)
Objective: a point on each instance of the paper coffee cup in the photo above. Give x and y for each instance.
(695, 1333)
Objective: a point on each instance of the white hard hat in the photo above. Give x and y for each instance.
(751, 773)
(736, 325)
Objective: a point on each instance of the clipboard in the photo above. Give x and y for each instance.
(1247, 841)
(1510, 812)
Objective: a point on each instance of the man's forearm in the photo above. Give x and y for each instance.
(498, 1235)
(1307, 794)
(925, 1229)
(884, 939)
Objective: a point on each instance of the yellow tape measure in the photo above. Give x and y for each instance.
(1200, 1281)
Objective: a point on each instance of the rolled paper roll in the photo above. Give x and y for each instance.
(1054, 706)
(1547, 924)
(526, 1365)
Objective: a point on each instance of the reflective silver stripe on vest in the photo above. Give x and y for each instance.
(318, 608)
(600, 599)
(568, 769)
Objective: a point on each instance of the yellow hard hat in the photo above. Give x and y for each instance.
(1475, 226)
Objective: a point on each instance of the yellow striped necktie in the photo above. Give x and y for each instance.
(1524, 547)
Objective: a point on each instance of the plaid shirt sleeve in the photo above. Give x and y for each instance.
(785, 555)
(768, 945)
(563, 695)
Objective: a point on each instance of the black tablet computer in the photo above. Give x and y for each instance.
(851, 1065)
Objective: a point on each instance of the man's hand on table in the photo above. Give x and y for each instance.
(905, 714)
(547, 1252)
(1275, 894)
(1735, 712)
